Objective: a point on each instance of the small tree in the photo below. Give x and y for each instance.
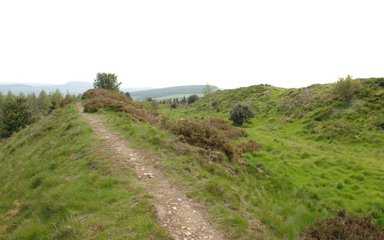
(183, 100)
(173, 105)
(346, 88)
(240, 113)
(56, 98)
(207, 90)
(193, 98)
(15, 115)
(43, 103)
(107, 81)
(2, 98)
(128, 95)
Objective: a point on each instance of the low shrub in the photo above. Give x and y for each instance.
(99, 92)
(67, 100)
(201, 134)
(228, 130)
(249, 146)
(193, 98)
(343, 227)
(346, 89)
(94, 105)
(103, 99)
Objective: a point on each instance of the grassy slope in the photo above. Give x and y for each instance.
(326, 169)
(319, 155)
(56, 183)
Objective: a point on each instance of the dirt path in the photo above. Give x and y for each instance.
(183, 217)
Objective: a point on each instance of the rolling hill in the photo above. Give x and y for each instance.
(70, 87)
(170, 92)
(307, 154)
(319, 153)
(80, 87)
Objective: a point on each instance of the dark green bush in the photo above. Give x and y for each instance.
(240, 113)
(173, 105)
(193, 98)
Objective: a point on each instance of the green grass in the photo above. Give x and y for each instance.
(307, 178)
(297, 177)
(56, 182)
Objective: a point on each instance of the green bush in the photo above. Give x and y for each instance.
(193, 98)
(346, 89)
(240, 113)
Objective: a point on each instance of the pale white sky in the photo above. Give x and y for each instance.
(165, 43)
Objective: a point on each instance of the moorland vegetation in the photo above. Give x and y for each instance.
(307, 164)
(308, 153)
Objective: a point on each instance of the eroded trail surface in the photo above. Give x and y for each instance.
(183, 217)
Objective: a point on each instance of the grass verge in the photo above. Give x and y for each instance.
(56, 182)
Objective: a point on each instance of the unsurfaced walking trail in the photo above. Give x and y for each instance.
(184, 218)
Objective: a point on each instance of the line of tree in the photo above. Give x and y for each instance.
(18, 111)
(174, 102)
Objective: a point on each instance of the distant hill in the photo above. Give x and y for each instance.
(69, 87)
(170, 92)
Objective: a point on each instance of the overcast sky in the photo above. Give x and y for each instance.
(166, 43)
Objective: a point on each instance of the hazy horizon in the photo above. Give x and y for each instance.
(172, 43)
